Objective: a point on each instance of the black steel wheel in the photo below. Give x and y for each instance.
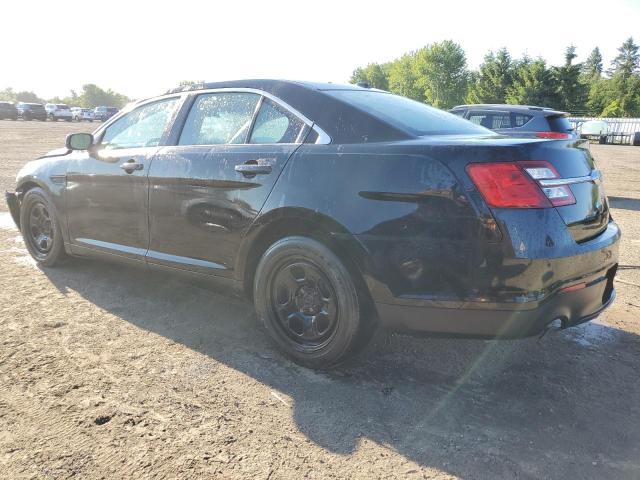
(305, 303)
(40, 228)
(308, 302)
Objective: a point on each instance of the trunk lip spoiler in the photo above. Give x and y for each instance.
(594, 176)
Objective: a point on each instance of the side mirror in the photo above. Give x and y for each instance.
(79, 141)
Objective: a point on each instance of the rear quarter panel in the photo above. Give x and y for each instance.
(404, 209)
(424, 231)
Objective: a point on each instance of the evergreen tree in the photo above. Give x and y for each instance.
(491, 83)
(570, 91)
(592, 68)
(628, 60)
(533, 84)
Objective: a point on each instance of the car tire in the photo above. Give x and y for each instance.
(41, 229)
(308, 302)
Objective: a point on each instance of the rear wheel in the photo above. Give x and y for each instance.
(308, 302)
(41, 229)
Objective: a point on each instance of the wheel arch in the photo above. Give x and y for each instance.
(286, 222)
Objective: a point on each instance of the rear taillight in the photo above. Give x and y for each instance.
(553, 135)
(516, 184)
(558, 195)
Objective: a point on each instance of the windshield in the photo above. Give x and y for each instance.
(409, 115)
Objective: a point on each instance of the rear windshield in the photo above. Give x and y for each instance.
(63, 107)
(559, 124)
(409, 115)
(112, 109)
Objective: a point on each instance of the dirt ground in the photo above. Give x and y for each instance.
(113, 372)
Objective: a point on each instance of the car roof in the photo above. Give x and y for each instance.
(343, 122)
(544, 111)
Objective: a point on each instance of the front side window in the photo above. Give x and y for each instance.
(142, 127)
(275, 125)
(219, 118)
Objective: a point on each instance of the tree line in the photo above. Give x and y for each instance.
(89, 97)
(438, 75)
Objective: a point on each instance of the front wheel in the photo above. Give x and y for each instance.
(41, 229)
(308, 302)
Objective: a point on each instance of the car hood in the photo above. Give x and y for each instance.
(58, 152)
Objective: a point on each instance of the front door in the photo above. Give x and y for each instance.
(205, 191)
(108, 186)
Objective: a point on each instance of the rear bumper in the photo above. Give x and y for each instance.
(538, 302)
(37, 116)
(571, 309)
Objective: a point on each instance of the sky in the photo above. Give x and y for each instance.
(143, 48)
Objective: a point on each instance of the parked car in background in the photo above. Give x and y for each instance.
(594, 129)
(30, 111)
(58, 111)
(8, 110)
(79, 114)
(104, 113)
(523, 120)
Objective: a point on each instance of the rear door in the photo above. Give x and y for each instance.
(207, 189)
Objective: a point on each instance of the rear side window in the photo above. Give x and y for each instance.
(520, 119)
(219, 118)
(559, 124)
(490, 119)
(408, 115)
(275, 125)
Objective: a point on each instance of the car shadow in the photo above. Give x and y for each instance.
(624, 203)
(475, 409)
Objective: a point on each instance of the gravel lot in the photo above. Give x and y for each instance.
(113, 372)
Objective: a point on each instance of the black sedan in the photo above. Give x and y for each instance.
(337, 209)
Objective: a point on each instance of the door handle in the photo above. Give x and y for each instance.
(254, 167)
(131, 165)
